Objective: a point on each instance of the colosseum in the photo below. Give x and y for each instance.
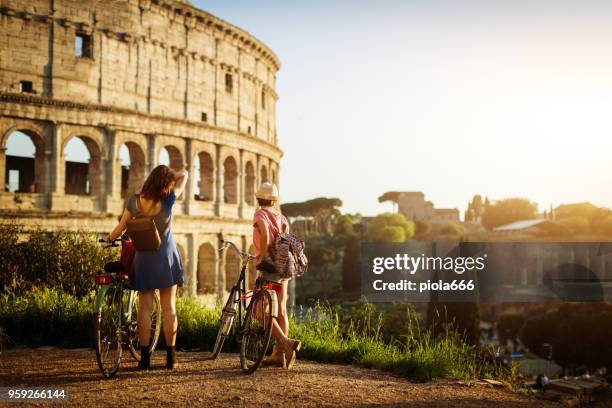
(94, 94)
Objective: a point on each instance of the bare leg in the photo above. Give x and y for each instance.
(145, 306)
(280, 326)
(168, 304)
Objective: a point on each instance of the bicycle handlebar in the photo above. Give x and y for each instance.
(245, 255)
(113, 243)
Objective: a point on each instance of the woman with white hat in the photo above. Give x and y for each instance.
(268, 223)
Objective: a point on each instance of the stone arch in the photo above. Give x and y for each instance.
(230, 181)
(251, 271)
(175, 158)
(83, 178)
(132, 175)
(207, 266)
(249, 183)
(232, 268)
(205, 177)
(263, 174)
(28, 167)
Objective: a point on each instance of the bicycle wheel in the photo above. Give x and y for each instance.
(108, 331)
(227, 320)
(256, 331)
(132, 325)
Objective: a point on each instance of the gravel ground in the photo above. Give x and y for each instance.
(220, 383)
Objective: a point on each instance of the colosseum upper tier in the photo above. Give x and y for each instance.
(136, 83)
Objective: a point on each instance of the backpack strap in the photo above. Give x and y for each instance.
(138, 207)
(273, 222)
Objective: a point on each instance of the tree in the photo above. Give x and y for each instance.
(322, 256)
(579, 334)
(477, 206)
(576, 224)
(389, 227)
(509, 326)
(351, 274)
(343, 224)
(506, 211)
(321, 210)
(422, 227)
(574, 216)
(452, 228)
(475, 209)
(605, 226)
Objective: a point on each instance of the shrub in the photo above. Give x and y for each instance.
(66, 261)
(47, 317)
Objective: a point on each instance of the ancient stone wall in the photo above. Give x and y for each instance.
(146, 75)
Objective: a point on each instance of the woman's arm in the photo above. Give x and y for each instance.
(180, 182)
(264, 240)
(120, 228)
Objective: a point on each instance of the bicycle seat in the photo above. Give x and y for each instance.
(113, 267)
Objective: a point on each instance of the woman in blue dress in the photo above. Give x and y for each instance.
(161, 269)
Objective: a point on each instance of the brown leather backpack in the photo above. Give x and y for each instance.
(143, 231)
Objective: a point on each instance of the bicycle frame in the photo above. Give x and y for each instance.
(240, 286)
(120, 285)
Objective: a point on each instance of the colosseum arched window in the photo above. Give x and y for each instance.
(230, 181)
(204, 177)
(264, 174)
(83, 166)
(171, 156)
(232, 269)
(23, 169)
(207, 269)
(132, 168)
(249, 184)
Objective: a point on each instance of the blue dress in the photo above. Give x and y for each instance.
(162, 268)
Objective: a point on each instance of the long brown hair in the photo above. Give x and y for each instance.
(158, 183)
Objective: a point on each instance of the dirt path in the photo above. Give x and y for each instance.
(220, 383)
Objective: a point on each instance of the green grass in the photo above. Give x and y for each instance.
(47, 317)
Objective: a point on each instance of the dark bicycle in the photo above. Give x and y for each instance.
(116, 317)
(254, 318)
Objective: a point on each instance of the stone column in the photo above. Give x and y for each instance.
(192, 267)
(152, 158)
(258, 180)
(241, 185)
(219, 182)
(190, 167)
(3, 180)
(57, 170)
(220, 272)
(110, 195)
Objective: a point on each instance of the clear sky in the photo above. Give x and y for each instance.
(449, 97)
(453, 98)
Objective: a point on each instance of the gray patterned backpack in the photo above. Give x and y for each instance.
(288, 254)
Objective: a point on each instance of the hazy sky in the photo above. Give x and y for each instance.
(452, 98)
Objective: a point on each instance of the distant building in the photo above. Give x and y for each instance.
(413, 206)
(539, 226)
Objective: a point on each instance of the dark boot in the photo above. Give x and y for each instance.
(171, 361)
(145, 358)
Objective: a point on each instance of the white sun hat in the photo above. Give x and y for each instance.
(267, 191)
